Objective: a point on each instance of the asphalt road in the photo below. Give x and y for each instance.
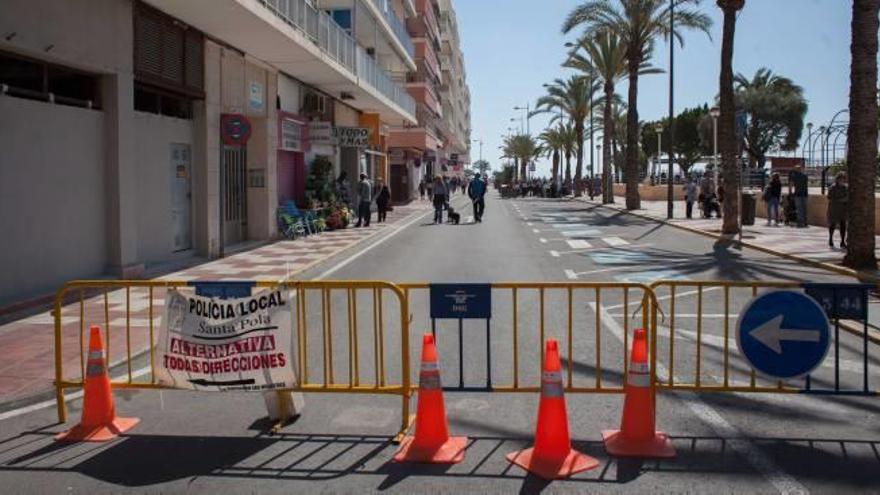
(726, 442)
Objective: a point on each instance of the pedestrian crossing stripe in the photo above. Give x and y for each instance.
(615, 241)
(564, 226)
(571, 275)
(578, 244)
(555, 254)
(543, 241)
(621, 258)
(536, 231)
(651, 276)
(576, 233)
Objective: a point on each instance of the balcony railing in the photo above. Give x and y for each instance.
(384, 6)
(334, 41)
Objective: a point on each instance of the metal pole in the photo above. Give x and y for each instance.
(592, 163)
(669, 192)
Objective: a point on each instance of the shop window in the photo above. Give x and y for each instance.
(33, 79)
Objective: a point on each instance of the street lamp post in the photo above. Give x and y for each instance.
(669, 186)
(715, 112)
(807, 143)
(527, 108)
(817, 138)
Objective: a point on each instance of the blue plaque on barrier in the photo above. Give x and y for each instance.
(844, 301)
(461, 301)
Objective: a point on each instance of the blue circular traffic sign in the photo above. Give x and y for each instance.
(783, 334)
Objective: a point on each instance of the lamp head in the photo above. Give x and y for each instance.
(715, 112)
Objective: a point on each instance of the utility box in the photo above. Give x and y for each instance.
(748, 206)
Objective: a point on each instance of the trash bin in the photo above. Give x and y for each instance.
(748, 206)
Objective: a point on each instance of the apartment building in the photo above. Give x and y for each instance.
(440, 142)
(137, 132)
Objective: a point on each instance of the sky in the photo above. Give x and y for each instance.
(512, 47)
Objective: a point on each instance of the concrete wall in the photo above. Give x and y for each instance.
(817, 208)
(651, 193)
(51, 196)
(155, 134)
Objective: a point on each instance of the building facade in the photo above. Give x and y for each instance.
(439, 144)
(137, 132)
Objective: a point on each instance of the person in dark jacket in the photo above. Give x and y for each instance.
(477, 191)
(773, 197)
(838, 196)
(383, 199)
(439, 190)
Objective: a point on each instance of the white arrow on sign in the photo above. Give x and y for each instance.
(771, 334)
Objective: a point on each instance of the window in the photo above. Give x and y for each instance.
(343, 18)
(167, 53)
(155, 100)
(36, 80)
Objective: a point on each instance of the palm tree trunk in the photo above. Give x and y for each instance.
(861, 156)
(726, 125)
(633, 201)
(607, 132)
(579, 130)
(555, 173)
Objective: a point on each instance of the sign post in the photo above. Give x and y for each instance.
(464, 302)
(783, 334)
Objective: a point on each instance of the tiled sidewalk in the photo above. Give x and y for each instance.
(808, 244)
(28, 370)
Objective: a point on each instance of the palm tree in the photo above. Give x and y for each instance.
(522, 148)
(861, 156)
(572, 97)
(569, 148)
(638, 23)
(776, 107)
(552, 142)
(727, 121)
(605, 57)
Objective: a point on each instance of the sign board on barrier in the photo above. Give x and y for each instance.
(844, 301)
(461, 301)
(783, 334)
(207, 343)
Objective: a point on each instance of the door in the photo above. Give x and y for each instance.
(181, 197)
(233, 183)
(399, 183)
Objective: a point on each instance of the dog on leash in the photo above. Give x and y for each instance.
(454, 216)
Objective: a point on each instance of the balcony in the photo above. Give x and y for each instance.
(377, 13)
(301, 41)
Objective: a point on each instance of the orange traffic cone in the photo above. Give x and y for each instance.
(99, 422)
(431, 443)
(637, 436)
(552, 456)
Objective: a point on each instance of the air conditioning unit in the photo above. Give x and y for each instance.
(314, 104)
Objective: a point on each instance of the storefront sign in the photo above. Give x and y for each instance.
(235, 129)
(291, 135)
(321, 133)
(352, 137)
(226, 344)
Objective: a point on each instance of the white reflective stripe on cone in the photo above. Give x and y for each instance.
(639, 367)
(638, 379)
(430, 366)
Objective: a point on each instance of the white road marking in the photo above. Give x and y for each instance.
(544, 241)
(576, 233)
(578, 244)
(469, 219)
(530, 224)
(664, 298)
(555, 254)
(615, 241)
(563, 226)
(761, 462)
(571, 274)
(536, 231)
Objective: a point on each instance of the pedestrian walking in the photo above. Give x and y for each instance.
(422, 189)
(365, 199)
(439, 191)
(797, 180)
(773, 197)
(383, 200)
(690, 195)
(838, 196)
(477, 192)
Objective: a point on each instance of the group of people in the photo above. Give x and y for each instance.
(367, 193)
(441, 189)
(791, 209)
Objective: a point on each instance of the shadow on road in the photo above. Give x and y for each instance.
(143, 460)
